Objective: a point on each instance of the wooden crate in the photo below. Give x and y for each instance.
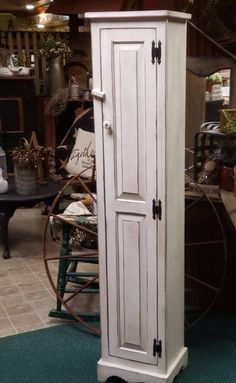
(17, 41)
(225, 114)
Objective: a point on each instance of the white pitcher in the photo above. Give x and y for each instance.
(3, 183)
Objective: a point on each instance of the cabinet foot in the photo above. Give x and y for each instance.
(134, 373)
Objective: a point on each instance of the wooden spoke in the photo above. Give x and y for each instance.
(200, 198)
(204, 243)
(72, 312)
(70, 256)
(76, 256)
(202, 282)
(70, 222)
(194, 298)
(81, 289)
(187, 322)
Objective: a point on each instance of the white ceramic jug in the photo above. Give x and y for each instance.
(3, 183)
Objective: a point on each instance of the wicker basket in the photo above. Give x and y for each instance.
(225, 114)
(26, 180)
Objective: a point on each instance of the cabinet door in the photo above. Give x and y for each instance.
(129, 82)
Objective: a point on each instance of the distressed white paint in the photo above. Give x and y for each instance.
(139, 158)
(130, 184)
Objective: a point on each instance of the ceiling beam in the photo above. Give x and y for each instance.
(62, 7)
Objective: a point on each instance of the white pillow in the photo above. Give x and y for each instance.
(82, 154)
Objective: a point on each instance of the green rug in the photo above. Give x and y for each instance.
(68, 354)
(212, 351)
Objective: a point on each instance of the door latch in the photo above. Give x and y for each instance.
(156, 209)
(156, 52)
(98, 94)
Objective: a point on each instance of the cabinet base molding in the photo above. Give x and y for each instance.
(140, 374)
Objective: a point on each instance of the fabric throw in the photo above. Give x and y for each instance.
(81, 160)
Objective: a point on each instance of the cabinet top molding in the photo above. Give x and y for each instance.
(139, 15)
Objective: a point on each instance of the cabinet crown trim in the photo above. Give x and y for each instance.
(153, 15)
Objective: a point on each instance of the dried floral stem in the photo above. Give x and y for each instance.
(51, 48)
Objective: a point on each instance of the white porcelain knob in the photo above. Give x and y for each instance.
(107, 125)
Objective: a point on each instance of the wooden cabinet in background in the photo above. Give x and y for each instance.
(17, 111)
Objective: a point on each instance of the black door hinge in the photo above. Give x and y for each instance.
(156, 209)
(157, 348)
(156, 52)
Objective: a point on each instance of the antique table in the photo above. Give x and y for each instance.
(11, 201)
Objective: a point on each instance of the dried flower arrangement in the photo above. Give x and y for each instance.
(58, 103)
(51, 48)
(26, 156)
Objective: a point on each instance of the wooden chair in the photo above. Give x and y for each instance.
(72, 280)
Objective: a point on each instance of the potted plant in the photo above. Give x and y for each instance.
(26, 160)
(230, 126)
(228, 121)
(54, 50)
(213, 79)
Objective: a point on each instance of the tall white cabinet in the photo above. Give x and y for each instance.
(139, 73)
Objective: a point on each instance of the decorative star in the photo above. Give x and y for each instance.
(33, 144)
(63, 163)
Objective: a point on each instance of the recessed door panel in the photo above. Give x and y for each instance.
(132, 279)
(130, 112)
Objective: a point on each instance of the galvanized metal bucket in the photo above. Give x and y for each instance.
(26, 180)
(56, 77)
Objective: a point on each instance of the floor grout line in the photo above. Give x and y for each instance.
(46, 288)
(30, 303)
(9, 318)
(35, 274)
(22, 256)
(33, 310)
(20, 296)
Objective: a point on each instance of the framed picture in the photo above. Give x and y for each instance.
(11, 114)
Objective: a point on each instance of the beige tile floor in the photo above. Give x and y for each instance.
(26, 295)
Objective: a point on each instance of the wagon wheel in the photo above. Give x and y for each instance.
(67, 281)
(203, 277)
(205, 265)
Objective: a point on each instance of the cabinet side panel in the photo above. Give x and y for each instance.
(175, 134)
(98, 119)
